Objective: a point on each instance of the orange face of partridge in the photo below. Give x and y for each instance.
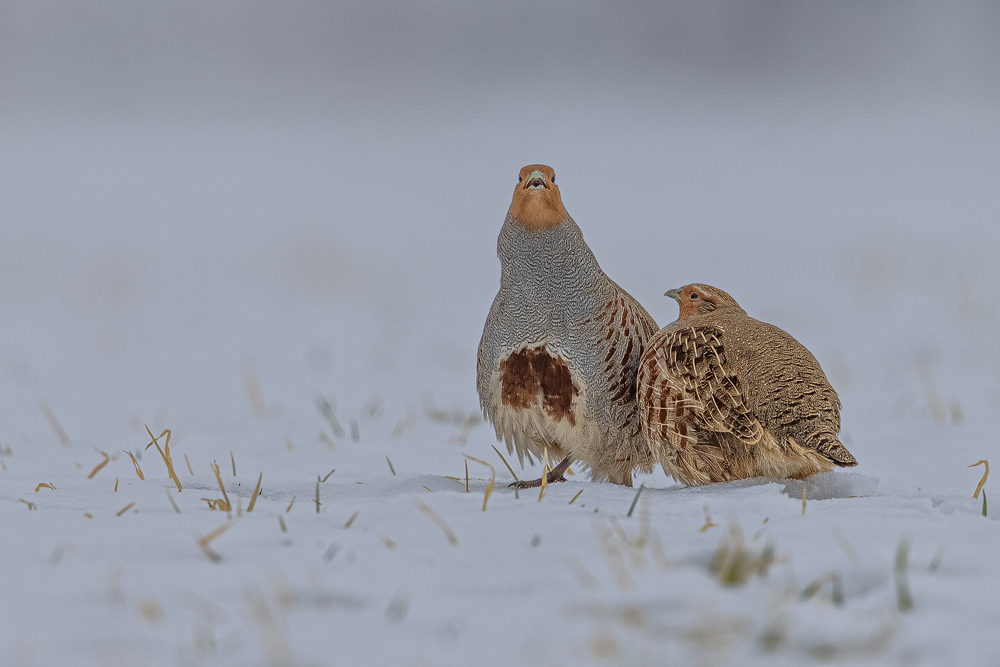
(698, 299)
(537, 204)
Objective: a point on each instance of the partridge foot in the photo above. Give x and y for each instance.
(555, 475)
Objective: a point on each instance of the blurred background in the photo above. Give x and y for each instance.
(197, 196)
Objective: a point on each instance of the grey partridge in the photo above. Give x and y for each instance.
(561, 347)
(723, 396)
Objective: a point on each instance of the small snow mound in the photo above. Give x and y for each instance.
(826, 485)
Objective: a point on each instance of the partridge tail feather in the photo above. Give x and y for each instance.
(832, 449)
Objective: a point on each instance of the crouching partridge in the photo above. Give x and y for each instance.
(723, 396)
(561, 346)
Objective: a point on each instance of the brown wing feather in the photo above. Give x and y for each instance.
(685, 386)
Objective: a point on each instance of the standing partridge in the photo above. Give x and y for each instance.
(561, 346)
(723, 396)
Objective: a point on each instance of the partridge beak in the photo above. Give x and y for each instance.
(536, 181)
(673, 294)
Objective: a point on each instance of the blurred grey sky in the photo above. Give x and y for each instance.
(162, 60)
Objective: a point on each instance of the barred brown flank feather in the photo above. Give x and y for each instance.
(723, 396)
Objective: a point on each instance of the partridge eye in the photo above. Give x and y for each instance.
(553, 178)
(694, 295)
(519, 179)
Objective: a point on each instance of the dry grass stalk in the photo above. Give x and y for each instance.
(252, 386)
(116, 485)
(986, 474)
(635, 548)
(328, 412)
(545, 474)
(99, 465)
(618, 530)
(289, 508)
(466, 476)
(846, 546)
(511, 470)
(936, 561)
(88, 515)
(804, 487)
(493, 478)
(635, 500)
(404, 425)
(708, 521)
(471, 422)
(391, 469)
(658, 553)
(205, 542)
(317, 495)
(253, 501)
(31, 506)
(54, 423)
(934, 401)
(171, 499)
(645, 522)
(215, 533)
(125, 509)
(216, 504)
(445, 528)
(288, 445)
(762, 530)
(281, 522)
(428, 488)
(836, 584)
(218, 478)
(276, 645)
(581, 573)
(388, 543)
(903, 598)
(330, 473)
(351, 520)
(138, 470)
(233, 459)
(165, 455)
(44, 485)
(434, 413)
(188, 462)
(576, 496)
(458, 480)
(329, 443)
(239, 506)
(616, 564)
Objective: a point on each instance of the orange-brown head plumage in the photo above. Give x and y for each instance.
(698, 299)
(537, 204)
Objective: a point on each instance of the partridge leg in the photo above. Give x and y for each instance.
(555, 475)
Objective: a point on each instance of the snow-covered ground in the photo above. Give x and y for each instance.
(220, 275)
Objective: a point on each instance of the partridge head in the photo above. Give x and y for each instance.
(537, 203)
(698, 299)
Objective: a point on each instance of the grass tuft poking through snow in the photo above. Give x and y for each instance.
(735, 562)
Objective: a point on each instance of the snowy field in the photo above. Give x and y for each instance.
(220, 251)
